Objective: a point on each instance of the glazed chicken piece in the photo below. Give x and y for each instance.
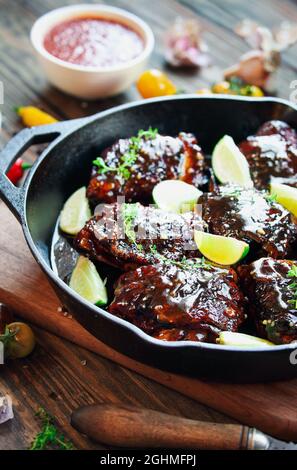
(182, 301)
(272, 154)
(269, 285)
(129, 235)
(251, 216)
(158, 158)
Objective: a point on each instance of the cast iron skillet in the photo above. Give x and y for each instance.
(65, 166)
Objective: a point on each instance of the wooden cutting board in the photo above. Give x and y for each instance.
(269, 407)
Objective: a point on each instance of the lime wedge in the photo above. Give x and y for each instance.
(220, 250)
(229, 164)
(75, 212)
(285, 195)
(176, 196)
(86, 281)
(228, 338)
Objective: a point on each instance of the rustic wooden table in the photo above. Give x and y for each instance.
(48, 378)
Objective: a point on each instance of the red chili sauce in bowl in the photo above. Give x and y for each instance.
(93, 42)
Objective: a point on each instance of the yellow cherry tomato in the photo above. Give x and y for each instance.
(204, 91)
(22, 343)
(32, 116)
(221, 87)
(153, 82)
(256, 91)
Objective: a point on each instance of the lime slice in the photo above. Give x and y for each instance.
(220, 250)
(285, 195)
(176, 196)
(229, 164)
(228, 338)
(86, 281)
(75, 212)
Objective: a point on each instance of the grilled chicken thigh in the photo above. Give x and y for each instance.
(272, 154)
(271, 286)
(251, 216)
(156, 158)
(130, 235)
(182, 301)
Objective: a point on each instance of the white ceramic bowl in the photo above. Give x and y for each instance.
(90, 82)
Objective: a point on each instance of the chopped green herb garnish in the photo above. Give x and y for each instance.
(49, 435)
(102, 167)
(236, 84)
(293, 302)
(247, 90)
(271, 198)
(129, 157)
(293, 271)
(293, 286)
(129, 215)
(239, 193)
(153, 250)
(239, 87)
(149, 134)
(232, 192)
(184, 263)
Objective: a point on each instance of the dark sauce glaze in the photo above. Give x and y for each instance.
(272, 154)
(103, 238)
(248, 215)
(160, 158)
(64, 258)
(266, 283)
(169, 301)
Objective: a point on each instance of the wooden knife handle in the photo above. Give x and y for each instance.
(133, 427)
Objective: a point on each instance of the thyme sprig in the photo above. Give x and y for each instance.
(149, 134)
(130, 156)
(293, 286)
(129, 214)
(49, 435)
(184, 263)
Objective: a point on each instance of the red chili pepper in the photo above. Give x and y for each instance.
(17, 170)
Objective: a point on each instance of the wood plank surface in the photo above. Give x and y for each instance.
(60, 375)
(269, 407)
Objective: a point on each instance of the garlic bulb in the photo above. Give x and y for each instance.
(6, 411)
(258, 66)
(184, 46)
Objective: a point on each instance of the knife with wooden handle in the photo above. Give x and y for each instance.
(127, 426)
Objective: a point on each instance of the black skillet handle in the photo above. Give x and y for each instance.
(14, 196)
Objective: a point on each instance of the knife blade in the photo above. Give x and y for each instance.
(276, 444)
(127, 426)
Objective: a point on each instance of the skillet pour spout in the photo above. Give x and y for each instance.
(64, 166)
